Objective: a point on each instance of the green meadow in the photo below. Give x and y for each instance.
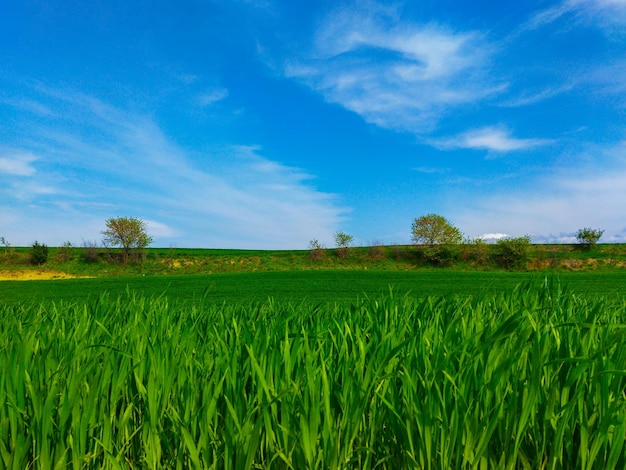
(339, 365)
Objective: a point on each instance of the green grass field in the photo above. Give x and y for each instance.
(529, 377)
(297, 286)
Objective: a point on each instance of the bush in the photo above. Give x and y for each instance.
(441, 255)
(317, 250)
(399, 252)
(90, 252)
(9, 256)
(514, 252)
(476, 250)
(38, 253)
(64, 253)
(377, 251)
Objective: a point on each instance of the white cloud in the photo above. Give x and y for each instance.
(492, 237)
(17, 163)
(496, 139)
(395, 74)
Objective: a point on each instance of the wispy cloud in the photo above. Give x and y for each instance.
(212, 96)
(110, 162)
(530, 98)
(549, 15)
(431, 170)
(603, 13)
(17, 163)
(395, 74)
(495, 139)
(28, 105)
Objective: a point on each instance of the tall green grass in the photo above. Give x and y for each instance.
(531, 378)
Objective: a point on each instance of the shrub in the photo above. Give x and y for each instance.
(90, 252)
(377, 251)
(441, 255)
(64, 253)
(317, 250)
(8, 255)
(38, 253)
(477, 250)
(399, 252)
(514, 252)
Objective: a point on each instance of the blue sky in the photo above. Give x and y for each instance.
(266, 123)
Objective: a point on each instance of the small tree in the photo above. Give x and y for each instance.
(343, 241)
(433, 229)
(129, 233)
(514, 251)
(588, 237)
(38, 253)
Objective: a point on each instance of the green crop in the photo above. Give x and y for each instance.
(530, 378)
(312, 286)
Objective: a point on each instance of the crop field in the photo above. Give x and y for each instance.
(319, 286)
(458, 376)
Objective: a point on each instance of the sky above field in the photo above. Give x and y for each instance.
(266, 123)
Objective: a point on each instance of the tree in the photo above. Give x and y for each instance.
(433, 229)
(343, 241)
(588, 237)
(440, 237)
(129, 233)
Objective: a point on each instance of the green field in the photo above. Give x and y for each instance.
(527, 377)
(311, 285)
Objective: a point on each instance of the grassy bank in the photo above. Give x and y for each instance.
(99, 262)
